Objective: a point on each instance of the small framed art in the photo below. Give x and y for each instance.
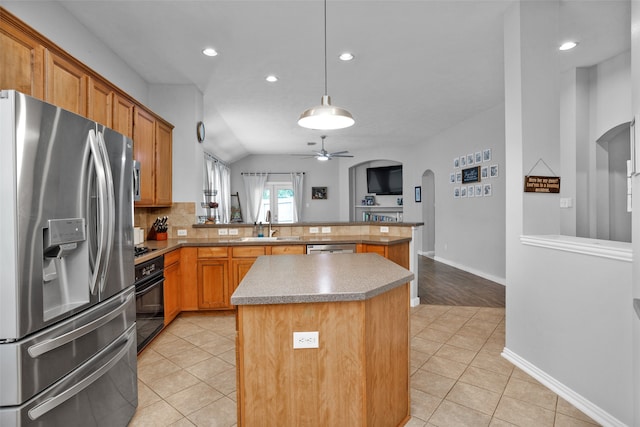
(418, 194)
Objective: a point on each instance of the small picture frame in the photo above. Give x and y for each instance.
(484, 172)
(463, 161)
(456, 192)
(319, 193)
(478, 190)
(459, 177)
(463, 192)
(418, 194)
(486, 155)
(470, 159)
(471, 191)
(486, 190)
(478, 156)
(493, 171)
(456, 162)
(369, 200)
(452, 178)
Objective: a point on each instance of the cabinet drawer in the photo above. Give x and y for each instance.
(288, 250)
(212, 252)
(248, 251)
(171, 257)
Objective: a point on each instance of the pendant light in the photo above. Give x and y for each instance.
(325, 116)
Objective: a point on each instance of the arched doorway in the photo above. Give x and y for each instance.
(428, 213)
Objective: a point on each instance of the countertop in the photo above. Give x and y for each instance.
(286, 279)
(160, 247)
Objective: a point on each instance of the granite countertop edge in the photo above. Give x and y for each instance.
(161, 247)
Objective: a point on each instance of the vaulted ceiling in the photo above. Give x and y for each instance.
(420, 67)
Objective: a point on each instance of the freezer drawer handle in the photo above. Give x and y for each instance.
(39, 349)
(50, 404)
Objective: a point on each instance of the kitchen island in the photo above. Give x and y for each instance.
(356, 372)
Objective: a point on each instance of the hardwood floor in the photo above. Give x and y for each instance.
(441, 284)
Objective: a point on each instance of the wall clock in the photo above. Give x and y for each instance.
(200, 131)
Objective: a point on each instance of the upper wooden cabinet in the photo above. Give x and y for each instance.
(22, 58)
(65, 84)
(99, 101)
(152, 148)
(33, 65)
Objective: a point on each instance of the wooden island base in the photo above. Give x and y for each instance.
(359, 375)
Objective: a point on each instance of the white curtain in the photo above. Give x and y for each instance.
(253, 188)
(217, 177)
(297, 179)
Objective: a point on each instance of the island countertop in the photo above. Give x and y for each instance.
(288, 279)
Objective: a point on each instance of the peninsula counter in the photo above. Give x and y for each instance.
(359, 373)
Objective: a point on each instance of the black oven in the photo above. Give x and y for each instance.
(149, 300)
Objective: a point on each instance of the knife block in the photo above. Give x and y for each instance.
(154, 235)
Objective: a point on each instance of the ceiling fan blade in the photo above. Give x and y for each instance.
(338, 152)
(304, 156)
(341, 155)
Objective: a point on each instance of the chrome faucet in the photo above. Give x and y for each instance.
(268, 219)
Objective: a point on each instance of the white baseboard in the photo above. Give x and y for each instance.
(415, 302)
(499, 280)
(587, 407)
(428, 254)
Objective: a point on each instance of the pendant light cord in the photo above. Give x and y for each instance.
(325, 47)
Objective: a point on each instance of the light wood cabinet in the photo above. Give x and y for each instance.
(22, 59)
(398, 253)
(65, 83)
(213, 278)
(152, 148)
(289, 250)
(242, 258)
(189, 278)
(172, 306)
(99, 101)
(122, 115)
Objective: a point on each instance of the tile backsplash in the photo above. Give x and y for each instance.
(182, 216)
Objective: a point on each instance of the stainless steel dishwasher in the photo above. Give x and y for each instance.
(347, 248)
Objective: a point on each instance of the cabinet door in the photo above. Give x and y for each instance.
(212, 283)
(122, 115)
(65, 84)
(99, 102)
(377, 249)
(171, 292)
(163, 154)
(22, 60)
(240, 269)
(143, 151)
(288, 250)
(189, 279)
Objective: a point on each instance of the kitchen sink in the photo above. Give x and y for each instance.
(267, 239)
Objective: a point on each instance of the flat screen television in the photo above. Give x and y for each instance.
(385, 180)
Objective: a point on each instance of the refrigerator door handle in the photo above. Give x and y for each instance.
(110, 208)
(98, 274)
(39, 349)
(51, 403)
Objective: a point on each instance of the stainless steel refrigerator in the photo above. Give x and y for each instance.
(67, 301)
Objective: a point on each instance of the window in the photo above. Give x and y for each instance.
(277, 197)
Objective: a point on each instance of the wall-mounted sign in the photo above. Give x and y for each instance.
(541, 184)
(471, 174)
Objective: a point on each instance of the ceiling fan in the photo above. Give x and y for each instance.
(323, 154)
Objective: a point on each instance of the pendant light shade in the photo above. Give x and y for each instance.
(325, 116)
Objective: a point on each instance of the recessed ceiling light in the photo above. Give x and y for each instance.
(271, 79)
(346, 56)
(568, 45)
(209, 51)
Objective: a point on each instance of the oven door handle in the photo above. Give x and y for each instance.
(152, 284)
(51, 344)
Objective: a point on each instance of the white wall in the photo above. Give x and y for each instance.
(568, 314)
(317, 174)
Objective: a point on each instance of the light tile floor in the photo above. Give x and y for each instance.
(187, 374)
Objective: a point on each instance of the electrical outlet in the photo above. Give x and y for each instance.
(223, 232)
(305, 339)
(182, 233)
(326, 230)
(233, 232)
(384, 229)
(313, 230)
